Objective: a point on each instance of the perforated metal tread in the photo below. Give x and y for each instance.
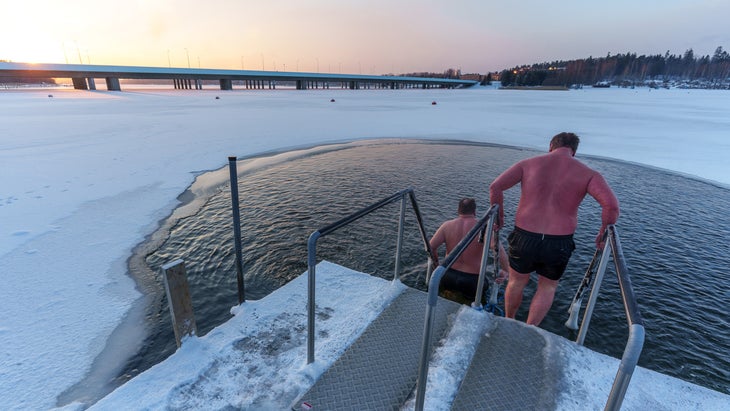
(380, 369)
(510, 371)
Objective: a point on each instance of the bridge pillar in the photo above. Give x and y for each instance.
(92, 83)
(226, 84)
(112, 84)
(79, 83)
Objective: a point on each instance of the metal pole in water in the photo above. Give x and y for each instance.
(236, 227)
(399, 243)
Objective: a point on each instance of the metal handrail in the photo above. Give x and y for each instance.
(636, 327)
(312, 249)
(433, 286)
(635, 341)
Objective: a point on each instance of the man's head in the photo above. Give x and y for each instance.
(564, 139)
(467, 206)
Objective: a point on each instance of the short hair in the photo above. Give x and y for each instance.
(467, 205)
(564, 139)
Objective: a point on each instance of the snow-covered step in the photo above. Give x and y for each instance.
(379, 370)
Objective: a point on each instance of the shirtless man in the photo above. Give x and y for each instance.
(552, 187)
(460, 281)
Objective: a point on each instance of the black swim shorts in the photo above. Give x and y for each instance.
(545, 254)
(461, 282)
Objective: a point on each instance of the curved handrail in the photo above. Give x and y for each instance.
(635, 341)
(433, 286)
(316, 235)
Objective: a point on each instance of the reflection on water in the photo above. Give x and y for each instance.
(674, 231)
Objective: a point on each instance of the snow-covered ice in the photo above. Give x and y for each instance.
(85, 176)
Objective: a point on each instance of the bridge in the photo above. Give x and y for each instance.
(84, 77)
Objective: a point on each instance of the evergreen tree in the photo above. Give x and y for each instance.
(625, 69)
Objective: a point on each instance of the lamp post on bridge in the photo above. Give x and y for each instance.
(188, 54)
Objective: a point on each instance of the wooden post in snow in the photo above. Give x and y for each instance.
(178, 299)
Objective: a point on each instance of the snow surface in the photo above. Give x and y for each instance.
(85, 176)
(257, 360)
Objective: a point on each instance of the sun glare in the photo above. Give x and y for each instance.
(34, 50)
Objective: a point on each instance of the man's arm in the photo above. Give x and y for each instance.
(436, 241)
(599, 189)
(507, 179)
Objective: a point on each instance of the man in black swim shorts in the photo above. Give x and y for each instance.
(459, 283)
(552, 186)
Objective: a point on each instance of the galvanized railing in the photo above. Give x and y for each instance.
(402, 195)
(635, 341)
(485, 223)
(636, 328)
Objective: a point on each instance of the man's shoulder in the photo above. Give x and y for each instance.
(539, 158)
(455, 222)
(577, 163)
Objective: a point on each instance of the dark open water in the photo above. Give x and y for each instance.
(674, 231)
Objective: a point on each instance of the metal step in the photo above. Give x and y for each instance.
(510, 371)
(380, 369)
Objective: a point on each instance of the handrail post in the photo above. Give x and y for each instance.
(594, 295)
(477, 303)
(427, 331)
(626, 368)
(636, 326)
(485, 257)
(236, 227)
(635, 341)
(399, 243)
(424, 236)
(311, 269)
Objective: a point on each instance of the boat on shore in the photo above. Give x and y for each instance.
(602, 84)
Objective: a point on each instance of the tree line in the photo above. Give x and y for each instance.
(623, 69)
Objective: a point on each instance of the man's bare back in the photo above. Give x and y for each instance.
(450, 233)
(552, 188)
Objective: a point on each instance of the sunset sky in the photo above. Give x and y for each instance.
(354, 36)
